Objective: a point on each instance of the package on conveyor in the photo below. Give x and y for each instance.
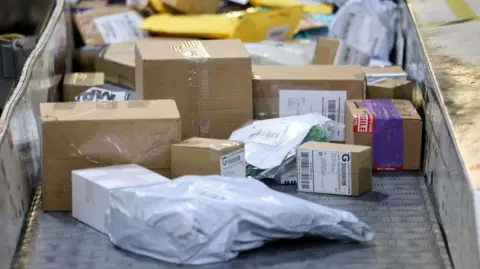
(94, 134)
(91, 190)
(270, 144)
(388, 88)
(281, 53)
(108, 24)
(334, 168)
(393, 129)
(280, 91)
(374, 74)
(76, 83)
(211, 82)
(97, 94)
(337, 52)
(207, 156)
(193, 6)
(252, 25)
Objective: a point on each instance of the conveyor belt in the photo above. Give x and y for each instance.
(399, 210)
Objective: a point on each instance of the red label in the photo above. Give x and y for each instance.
(363, 123)
(389, 168)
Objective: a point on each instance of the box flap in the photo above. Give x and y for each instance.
(84, 79)
(395, 69)
(307, 72)
(333, 147)
(390, 83)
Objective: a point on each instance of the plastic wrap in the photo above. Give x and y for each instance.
(281, 53)
(271, 144)
(207, 219)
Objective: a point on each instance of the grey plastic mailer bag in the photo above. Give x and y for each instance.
(207, 219)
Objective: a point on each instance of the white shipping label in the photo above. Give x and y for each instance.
(233, 164)
(99, 94)
(277, 33)
(121, 27)
(269, 134)
(330, 104)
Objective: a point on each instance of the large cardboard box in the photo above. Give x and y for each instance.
(193, 6)
(390, 89)
(211, 81)
(280, 91)
(93, 134)
(334, 168)
(91, 190)
(76, 83)
(392, 128)
(206, 156)
(375, 73)
(336, 52)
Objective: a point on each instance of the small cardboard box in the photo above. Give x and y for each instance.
(334, 168)
(281, 91)
(336, 52)
(205, 156)
(91, 190)
(95, 134)
(376, 73)
(392, 128)
(193, 6)
(388, 88)
(76, 83)
(211, 81)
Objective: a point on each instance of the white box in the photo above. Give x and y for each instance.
(91, 190)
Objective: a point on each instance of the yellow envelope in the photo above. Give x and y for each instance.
(308, 6)
(249, 26)
(158, 6)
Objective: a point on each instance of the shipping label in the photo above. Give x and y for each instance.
(277, 33)
(121, 27)
(233, 164)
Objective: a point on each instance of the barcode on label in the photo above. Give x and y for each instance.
(234, 159)
(332, 110)
(305, 170)
(277, 33)
(343, 174)
(266, 134)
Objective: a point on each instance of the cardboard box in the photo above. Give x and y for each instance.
(334, 168)
(390, 89)
(95, 134)
(193, 6)
(392, 128)
(76, 83)
(91, 190)
(336, 52)
(211, 81)
(206, 156)
(373, 74)
(280, 91)
(108, 24)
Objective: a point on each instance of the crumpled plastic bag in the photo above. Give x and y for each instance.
(281, 53)
(207, 219)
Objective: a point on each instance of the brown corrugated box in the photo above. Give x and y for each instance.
(335, 52)
(193, 6)
(90, 134)
(390, 89)
(392, 128)
(211, 81)
(76, 83)
(334, 168)
(280, 91)
(374, 73)
(206, 156)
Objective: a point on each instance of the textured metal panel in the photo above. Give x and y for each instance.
(399, 210)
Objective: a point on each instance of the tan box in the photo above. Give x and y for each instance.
(390, 89)
(280, 91)
(392, 128)
(193, 6)
(211, 81)
(373, 74)
(334, 168)
(76, 83)
(206, 156)
(336, 52)
(90, 134)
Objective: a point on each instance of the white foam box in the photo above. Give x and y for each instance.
(91, 190)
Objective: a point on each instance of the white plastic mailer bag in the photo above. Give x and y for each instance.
(207, 219)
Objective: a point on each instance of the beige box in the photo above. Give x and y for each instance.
(336, 52)
(90, 134)
(334, 168)
(76, 83)
(373, 73)
(280, 91)
(211, 81)
(206, 156)
(193, 6)
(388, 88)
(392, 128)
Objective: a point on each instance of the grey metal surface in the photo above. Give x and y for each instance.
(399, 210)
